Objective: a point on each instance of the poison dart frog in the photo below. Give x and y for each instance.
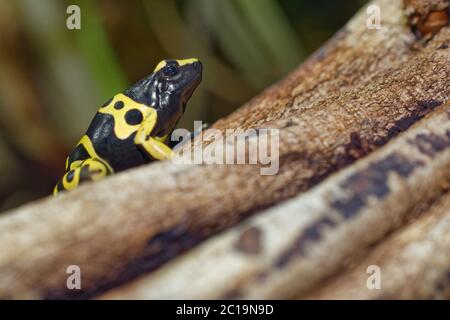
(133, 127)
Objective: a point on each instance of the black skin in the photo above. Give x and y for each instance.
(167, 91)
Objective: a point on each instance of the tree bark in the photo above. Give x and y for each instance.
(287, 250)
(413, 263)
(353, 96)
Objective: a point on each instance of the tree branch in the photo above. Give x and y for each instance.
(287, 250)
(349, 99)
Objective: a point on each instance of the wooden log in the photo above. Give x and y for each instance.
(413, 263)
(350, 98)
(288, 249)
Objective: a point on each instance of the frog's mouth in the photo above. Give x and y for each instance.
(195, 74)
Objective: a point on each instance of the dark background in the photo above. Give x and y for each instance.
(52, 80)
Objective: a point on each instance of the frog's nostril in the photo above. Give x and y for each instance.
(197, 65)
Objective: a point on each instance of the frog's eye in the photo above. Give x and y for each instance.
(170, 71)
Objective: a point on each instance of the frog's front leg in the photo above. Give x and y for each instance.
(87, 170)
(153, 146)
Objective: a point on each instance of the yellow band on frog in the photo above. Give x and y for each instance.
(122, 128)
(183, 62)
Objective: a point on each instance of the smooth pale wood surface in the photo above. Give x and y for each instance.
(293, 247)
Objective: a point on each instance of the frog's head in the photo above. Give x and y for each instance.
(168, 89)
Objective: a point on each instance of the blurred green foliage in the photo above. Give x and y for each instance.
(52, 79)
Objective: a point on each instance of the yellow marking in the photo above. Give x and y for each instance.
(160, 65)
(74, 183)
(87, 144)
(97, 170)
(147, 126)
(75, 164)
(121, 128)
(186, 61)
(182, 62)
(153, 146)
(156, 149)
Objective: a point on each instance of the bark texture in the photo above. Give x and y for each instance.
(413, 262)
(354, 95)
(288, 249)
